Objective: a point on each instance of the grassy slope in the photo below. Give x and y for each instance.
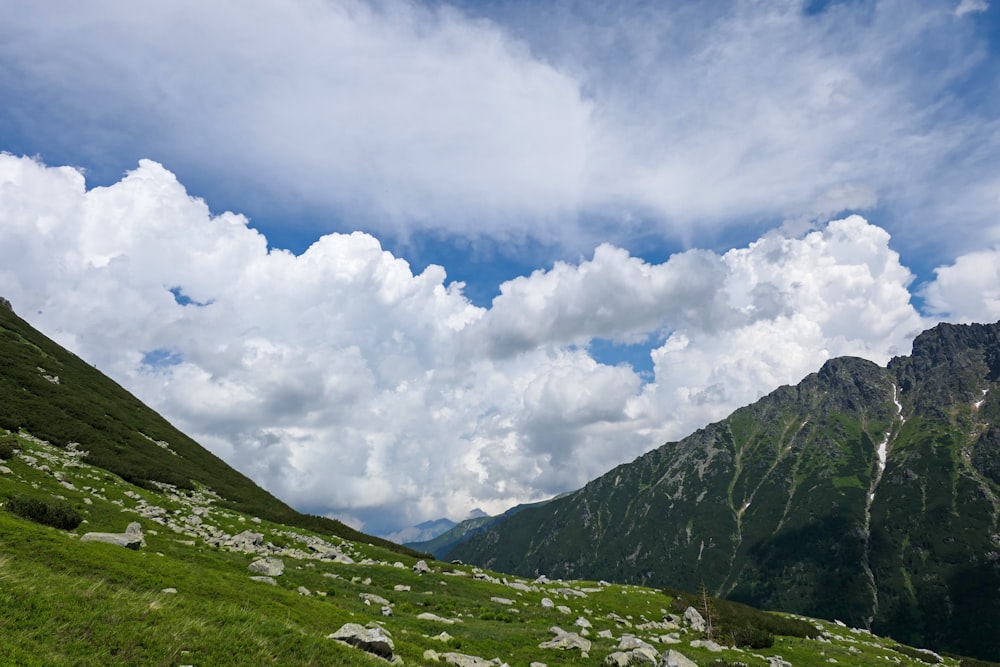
(118, 431)
(65, 602)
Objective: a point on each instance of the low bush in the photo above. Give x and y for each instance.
(734, 621)
(53, 513)
(7, 444)
(747, 636)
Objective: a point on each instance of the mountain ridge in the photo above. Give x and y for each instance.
(863, 492)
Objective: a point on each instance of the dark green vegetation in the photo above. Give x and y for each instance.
(736, 624)
(45, 511)
(785, 505)
(56, 396)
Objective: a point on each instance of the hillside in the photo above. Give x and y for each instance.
(863, 493)
(110, 556)
(203, 584)
(56, 396)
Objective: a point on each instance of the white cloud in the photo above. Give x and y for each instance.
(971, 7)
(967, 290)
(346, 384)
(408, 116)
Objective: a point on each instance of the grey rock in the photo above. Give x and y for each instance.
(270, 567)
(265, 580)
(676, 659)
(566, 641)
(462, 660)
(130, 539)
(694, 619)
(420, 567)
(304, 591)
(371, 640)
(371, 598)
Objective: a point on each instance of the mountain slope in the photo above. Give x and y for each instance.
(185, 591)
(863, 493)
(56, 396)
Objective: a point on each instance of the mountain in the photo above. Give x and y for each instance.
(478, 522)
(56, 396)
(215, 571)
(426, 530)
(864, 493)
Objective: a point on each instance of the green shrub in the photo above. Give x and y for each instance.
(972, 662)
(747, 636)
(737, 619)
(48, 512)
(7, 445)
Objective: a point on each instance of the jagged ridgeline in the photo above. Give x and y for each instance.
(866, 494)
(54, 395)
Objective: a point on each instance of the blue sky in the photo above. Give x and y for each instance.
(397, 260)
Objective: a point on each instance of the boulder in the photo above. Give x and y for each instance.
(694, 619)
(130, 539)
(269, 567)
(676, 659)
(265, 580)
(420, 567)
(462, 660)
(371, 640)
(566, 641)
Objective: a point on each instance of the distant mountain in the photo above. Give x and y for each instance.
(863, 493)
(426, 530)
(479, 521)
(56, 396)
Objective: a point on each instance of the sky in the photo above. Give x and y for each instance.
(397, 260)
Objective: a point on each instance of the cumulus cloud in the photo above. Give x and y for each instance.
(348, 385)
(967, 290)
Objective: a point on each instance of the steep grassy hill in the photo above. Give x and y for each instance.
(863, 493)
(58, 397)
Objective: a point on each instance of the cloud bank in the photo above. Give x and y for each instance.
(348, 385)
(574, 123)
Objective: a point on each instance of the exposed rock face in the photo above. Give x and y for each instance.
(866, 493)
